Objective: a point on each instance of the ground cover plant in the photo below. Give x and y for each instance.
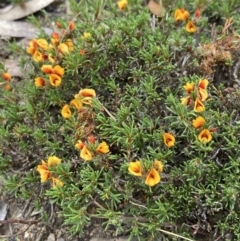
(129, 121)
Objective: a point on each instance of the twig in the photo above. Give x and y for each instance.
(20, 221)
(174, 234)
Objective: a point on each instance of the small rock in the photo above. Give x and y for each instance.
(51, 237)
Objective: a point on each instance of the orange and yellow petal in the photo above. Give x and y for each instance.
(152, 178)
(205, 136)
(186, 100)
(38, 56)
(135, 168)
(79, 145)
(198, 105)
(42, 43)
(198, 122)
(203, 83)
(66, 112)
(85, 154)
(47, 69)
(63, 48)
(56, 182)
(53, 161)
(190, 27)
(203, 94)
(76, 103)
(103, 148)
(158, 165)
(189, 87)
(55, 80)
(58, 70)
(70, 45)
(169, 139)
(86, 93)
(39, 82)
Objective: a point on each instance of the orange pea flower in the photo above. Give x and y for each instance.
(186, 100)
(79, 145)
(205, 136)
(71, 25)
(169, 139)
(39, 82)
(70, 45)
(122, 4)
(190, 27)
(181, 14)
(6, 76)
(103, 148)
(198, 122)
(58, 70)
(189, 87)
(76, 103)
(152, 178)
(66, 112)
(56, 182)
(55, 80)
(158, 165)
(63, 48)
(85, 154)
(42, 43)
(135, 168)
(47, 69)
(198, 105)
(86, 93)
(86, 35)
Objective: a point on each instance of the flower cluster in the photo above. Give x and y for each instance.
(181, 14)
(196, 94)
(84, 96)
(45, 172)
(91, 148)
(7, 79)
(150, 175)
(55, 75)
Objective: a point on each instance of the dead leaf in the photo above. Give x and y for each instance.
(28, 8)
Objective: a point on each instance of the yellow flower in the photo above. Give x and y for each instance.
(122, 4)
(205, 136)
(135, 168)
(56, 182)
(189, 87)
(190, 27)
(66, 112)
(152, 178)
(169, 139)
(86, 35)
(55, 80)
(77, 103)
(158, 165)
(43, 171)
(53, 161)
(85, 154)
(103, 148)
(198, 106)
(39, 82)
(198, 122)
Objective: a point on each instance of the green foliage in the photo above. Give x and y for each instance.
(138, 75)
